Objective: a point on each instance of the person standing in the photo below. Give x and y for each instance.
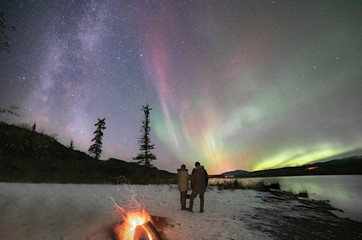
(183, 185)
(199, 181)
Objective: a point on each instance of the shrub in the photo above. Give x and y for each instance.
(303, 194)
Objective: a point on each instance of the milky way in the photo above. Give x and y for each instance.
(233, 84)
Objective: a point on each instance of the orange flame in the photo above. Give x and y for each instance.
(126, 231)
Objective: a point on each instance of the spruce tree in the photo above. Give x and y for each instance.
(145, 157)
(96, 148)
(71, 144)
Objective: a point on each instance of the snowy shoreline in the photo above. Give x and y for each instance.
(70, 211)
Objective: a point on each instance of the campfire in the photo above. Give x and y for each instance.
(134, 222)
(136, 226)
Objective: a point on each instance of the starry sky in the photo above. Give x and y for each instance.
(246, 85)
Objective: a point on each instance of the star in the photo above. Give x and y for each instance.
(276, 85)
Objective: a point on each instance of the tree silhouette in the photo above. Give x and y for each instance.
(145, 157)
(96, 148)
(71, 144)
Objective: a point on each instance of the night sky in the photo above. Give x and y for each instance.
(233, 84)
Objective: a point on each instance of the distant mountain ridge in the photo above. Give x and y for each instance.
(234, 173)
(343, 166)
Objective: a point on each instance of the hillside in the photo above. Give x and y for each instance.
(29, 156)
(234, 173)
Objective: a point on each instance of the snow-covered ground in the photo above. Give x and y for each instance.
(69, 211)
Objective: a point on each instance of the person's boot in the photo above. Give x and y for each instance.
(183, 201)
(191, 204)
(201, 205)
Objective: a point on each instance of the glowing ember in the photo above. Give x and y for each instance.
(312, 168)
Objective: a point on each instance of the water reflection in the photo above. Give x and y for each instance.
(343, 191)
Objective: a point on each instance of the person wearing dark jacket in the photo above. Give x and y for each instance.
(199, 181)
(183, 185)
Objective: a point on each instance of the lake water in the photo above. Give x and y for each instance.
(343, 191)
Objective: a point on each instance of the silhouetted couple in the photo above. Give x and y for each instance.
(199, 180)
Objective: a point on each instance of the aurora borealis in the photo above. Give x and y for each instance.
(233, 84)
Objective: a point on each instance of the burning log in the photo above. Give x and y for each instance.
(146, 232)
